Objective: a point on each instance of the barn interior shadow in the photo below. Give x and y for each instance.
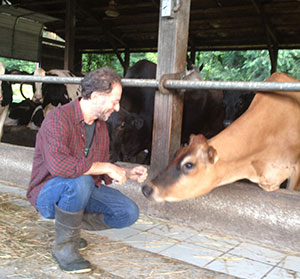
(19, 135)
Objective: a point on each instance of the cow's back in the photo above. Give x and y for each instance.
(266, 137)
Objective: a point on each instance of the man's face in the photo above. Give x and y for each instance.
(106, 104)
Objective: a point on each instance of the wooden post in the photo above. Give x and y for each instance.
(127, 60)
(172, 51)
(77, 62)
(69, 35)
(273, 53)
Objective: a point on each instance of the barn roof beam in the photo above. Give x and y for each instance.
(38, 3)
(121, 6)
(102, 24)
(110, 35)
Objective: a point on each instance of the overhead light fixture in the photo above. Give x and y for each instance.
(112, 9)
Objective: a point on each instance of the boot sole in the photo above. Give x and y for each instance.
(77, 271)
(84, 270)
(82, 249)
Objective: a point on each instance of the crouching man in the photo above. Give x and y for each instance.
(71, 170)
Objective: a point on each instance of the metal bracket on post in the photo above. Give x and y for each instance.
(165, 77)
(169, 8)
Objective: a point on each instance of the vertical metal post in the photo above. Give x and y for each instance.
(172, 51)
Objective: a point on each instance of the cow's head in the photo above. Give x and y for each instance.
(126, 131)
(236, 103)
(193, 73)
(188, 174)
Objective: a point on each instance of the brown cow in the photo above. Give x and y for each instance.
(262, 145)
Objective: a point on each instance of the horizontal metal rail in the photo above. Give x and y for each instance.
(47, 79)
(234, 85)
(170, 84)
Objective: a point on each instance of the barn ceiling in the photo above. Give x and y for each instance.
(214, 24)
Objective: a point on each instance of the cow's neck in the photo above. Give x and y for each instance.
(227, 172)
(234, 149)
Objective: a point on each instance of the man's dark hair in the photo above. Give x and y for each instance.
(101, 80)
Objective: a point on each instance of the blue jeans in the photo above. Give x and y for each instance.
(75, 194)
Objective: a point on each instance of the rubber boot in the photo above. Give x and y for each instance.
(65, 249)
(94, 222)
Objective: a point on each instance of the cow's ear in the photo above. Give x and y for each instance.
(139, 123)
(212, 155)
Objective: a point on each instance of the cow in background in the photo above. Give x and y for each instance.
(203, 109)
(46, 96)
(262, 145)
(202, 113)
(31, 113)
(6, 96)
(55, 93)
(139, 102)
(124, 126)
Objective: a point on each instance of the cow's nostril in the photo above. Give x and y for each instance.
(147, 191)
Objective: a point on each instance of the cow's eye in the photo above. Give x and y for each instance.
(122, 124)
(188, 166)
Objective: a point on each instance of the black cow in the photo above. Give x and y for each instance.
(139, 103)
(203, 112)
(124, 126)
(140, 100)
(236, 103)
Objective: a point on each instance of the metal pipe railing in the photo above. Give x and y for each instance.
(170, 84)
(233, 85)
(46, 79)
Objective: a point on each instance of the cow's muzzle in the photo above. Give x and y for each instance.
(147, 191)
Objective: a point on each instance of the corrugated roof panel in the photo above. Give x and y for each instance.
(27, 39)
(21, 32)
(6, 26)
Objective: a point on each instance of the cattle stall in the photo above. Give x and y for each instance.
(269, 217)
(245, 204)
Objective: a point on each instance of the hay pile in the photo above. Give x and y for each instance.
(22, 233)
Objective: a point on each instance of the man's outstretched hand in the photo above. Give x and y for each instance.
(138, 174)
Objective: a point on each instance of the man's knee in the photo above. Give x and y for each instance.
(131, 214)
(81, 187)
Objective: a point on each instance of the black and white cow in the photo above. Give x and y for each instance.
(55, 93)
(6, 96)
(46, 96)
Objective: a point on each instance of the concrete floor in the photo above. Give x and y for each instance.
(158, 248)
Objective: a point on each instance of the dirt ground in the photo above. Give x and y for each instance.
(26, 241)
